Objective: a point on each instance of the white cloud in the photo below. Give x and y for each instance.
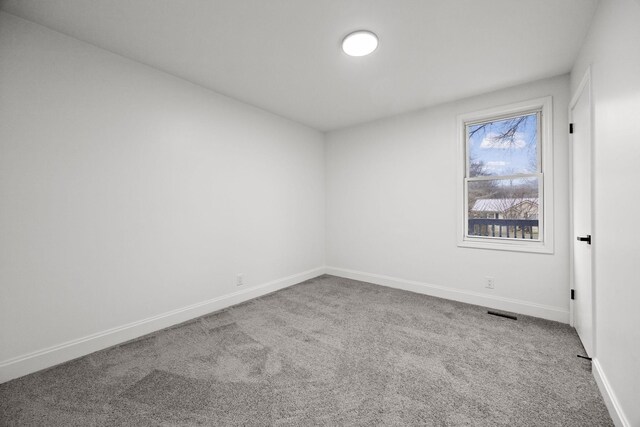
(495, 165)
(491, 140)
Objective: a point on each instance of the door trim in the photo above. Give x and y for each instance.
(585, 84)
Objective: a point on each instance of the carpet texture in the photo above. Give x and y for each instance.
(329, 351)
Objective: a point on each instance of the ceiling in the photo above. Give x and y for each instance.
(284, 55)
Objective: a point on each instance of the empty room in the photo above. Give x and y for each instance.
(330, 212)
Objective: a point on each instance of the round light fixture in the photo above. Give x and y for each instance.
(360, 43)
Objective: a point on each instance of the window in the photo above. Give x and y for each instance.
(505, 178)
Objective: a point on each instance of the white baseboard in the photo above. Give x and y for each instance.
(617, 415)
(499, 303)
(45, 358)
(51, 356)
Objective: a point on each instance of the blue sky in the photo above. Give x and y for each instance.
(510, 156)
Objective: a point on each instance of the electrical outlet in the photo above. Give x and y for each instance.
(239, 279)
(489, 283)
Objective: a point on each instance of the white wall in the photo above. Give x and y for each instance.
(391, 210)
(613, 50)
(127, 193)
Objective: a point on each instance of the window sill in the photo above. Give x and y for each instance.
(507, 245)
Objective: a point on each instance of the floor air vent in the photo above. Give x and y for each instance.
(508, 316)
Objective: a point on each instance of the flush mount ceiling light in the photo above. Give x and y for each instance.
(360, 43)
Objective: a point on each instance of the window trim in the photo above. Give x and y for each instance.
(546, 182)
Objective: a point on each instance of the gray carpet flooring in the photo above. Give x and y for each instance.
(328, 351)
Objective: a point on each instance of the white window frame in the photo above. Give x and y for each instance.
(545, 154)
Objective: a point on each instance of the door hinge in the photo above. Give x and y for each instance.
(570, 127)
(573, 294)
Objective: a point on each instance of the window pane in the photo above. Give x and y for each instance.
(503, 147)
(506, 208)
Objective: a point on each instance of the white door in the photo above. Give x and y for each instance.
(581, 179)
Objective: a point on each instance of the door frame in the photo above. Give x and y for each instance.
(585, 84)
